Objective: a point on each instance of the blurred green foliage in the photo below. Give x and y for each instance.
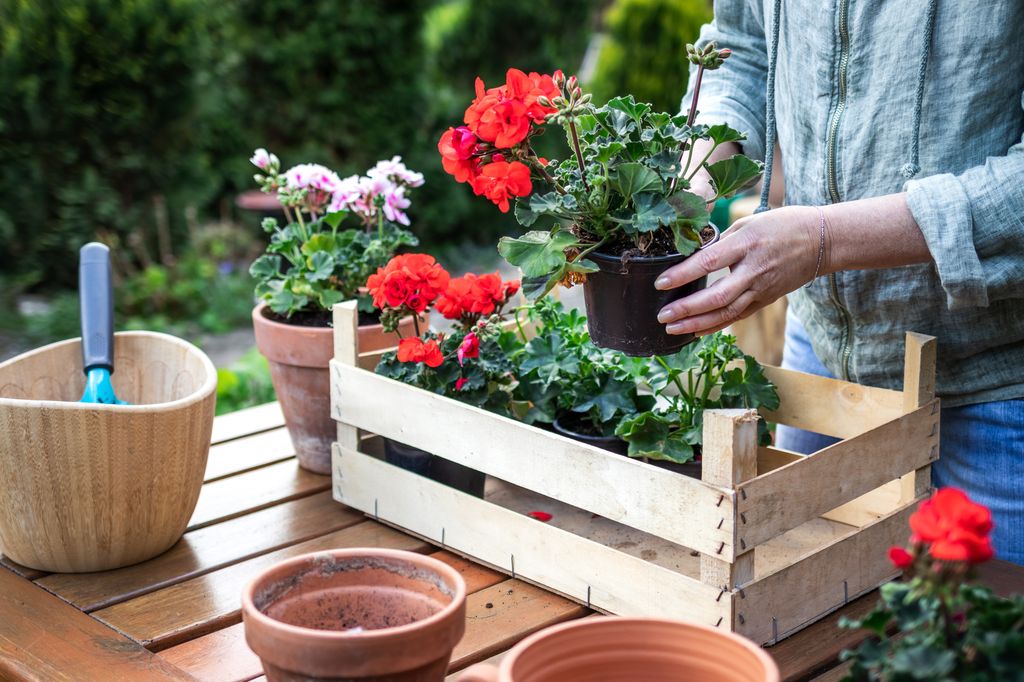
(244, 384)
(98, 116)
(132, 120)
(644, 50)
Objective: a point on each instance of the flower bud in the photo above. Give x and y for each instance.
(544, 102)
(724, 53)
(559, 79)
(558, 101)
(586, 98)
(572, 83)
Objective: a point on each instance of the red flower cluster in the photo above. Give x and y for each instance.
(499, 118)
(475, 295)
(413, 280)
(415, 349)
(955, 528)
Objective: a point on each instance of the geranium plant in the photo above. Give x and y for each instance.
(710, 374)
(624, 188)
(936, 624)
(311, 263)
(471, 361)
(562, 375)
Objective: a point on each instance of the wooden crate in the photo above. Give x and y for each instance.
(766, 543)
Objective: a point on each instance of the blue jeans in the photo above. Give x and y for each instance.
(981, 451)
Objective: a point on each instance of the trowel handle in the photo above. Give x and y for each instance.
(97, 304)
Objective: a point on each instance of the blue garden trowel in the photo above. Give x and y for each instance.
(97, 304)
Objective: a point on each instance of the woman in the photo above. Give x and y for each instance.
(900, 128)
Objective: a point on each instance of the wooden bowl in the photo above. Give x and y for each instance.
(87, 487)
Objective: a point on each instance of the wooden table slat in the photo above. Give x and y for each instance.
(253, 490)
(18, 569)
(209, 602)
(43, 638)
(224, 655)
(221, 656)
(246, 422)
(499, 616)
(248, 452)
(207, 549)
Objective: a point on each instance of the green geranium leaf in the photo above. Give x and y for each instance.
(283, 302)
(607, 152)
(319, 242)
(334, 219)
(537, 253)
(733, 174)
(652, 211)
(321, 266)
(722, 133)
(633, 178)
(650, 435)
(750, 385)
(265, 267)
(328, 297)
(612, 398)
(629, 106)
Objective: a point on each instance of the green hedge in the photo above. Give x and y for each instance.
(98, 116)
(644, 53)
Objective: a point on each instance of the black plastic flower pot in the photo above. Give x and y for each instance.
(623, 305)
(568, 425)
(435, 468)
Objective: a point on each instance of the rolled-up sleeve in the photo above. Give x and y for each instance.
(735, 93)
(973, 224)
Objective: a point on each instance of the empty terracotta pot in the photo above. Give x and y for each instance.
(617, 649)
(372, 615)
(299, 359)
(91, 487)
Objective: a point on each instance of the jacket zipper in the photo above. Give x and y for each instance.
(833, 184)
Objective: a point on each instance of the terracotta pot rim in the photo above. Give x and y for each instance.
(257, 313)
(449, 574)
(208, 387)
(771, 668)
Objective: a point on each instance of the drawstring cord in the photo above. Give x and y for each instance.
(769, 148)
(912, 168)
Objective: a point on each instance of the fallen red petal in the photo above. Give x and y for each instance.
(540, 516)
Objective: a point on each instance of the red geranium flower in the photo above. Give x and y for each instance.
(418, 350)
(457, 147)
(469, 348)
(956, 528)
(412, 279)
(500, 180)
(900, 558)
(527, 88)
(511, 288)
(460, 382)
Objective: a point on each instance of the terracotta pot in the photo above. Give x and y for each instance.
(299, 358)
(626, 649)
(623, 305)
(356, 614)
(92, 487)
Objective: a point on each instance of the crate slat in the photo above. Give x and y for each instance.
(830, 406)
(626, 490)
(821, 582)
(560, 560)
(806, 488)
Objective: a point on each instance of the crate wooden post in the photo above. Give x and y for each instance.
(346, 351)
(729, 458)
(918, 390)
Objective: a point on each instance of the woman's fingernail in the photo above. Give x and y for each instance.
(676, 328)
(665, 315)
(663, 283)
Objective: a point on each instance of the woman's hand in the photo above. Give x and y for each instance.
(768, 255)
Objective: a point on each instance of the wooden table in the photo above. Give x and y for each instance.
(177, 616)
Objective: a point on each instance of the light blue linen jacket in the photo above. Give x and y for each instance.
(851, 124)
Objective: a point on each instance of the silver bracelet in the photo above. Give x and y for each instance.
(821, 245)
